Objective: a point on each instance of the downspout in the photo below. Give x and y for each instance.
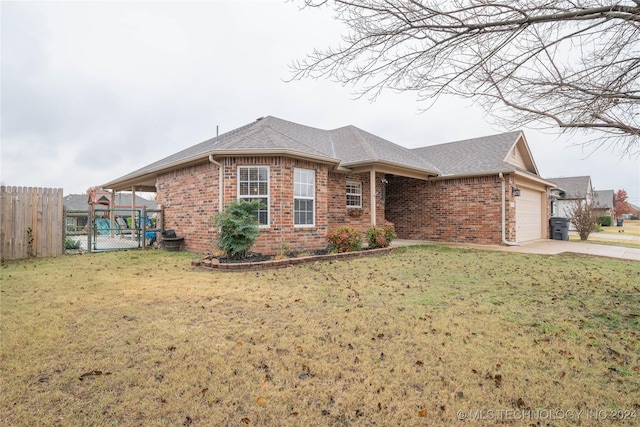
(504, 225)
(372, 190)
(220, 182)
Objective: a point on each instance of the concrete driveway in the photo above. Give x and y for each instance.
(546, 247)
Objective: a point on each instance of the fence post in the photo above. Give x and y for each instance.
(143, 221)
(90, 230)
(64, 228)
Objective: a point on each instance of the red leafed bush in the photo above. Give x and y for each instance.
(381, 236)
(345, 239)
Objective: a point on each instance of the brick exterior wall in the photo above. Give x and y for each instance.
(339, 214)
(463, 210)
(190, 199)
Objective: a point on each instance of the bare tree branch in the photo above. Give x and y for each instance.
(574, 65)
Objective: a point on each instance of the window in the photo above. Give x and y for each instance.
(304, 196)
(253, 184)
(354, 194)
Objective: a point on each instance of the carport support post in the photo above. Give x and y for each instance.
(112, 215)
(133, 211)
(143, 220)
(90, 229)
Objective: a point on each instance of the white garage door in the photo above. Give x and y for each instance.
(528, 215)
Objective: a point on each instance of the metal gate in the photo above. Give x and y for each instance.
(116, 229)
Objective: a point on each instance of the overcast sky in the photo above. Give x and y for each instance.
(94, 90)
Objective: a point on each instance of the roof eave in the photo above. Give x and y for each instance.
(128, 182)
(390, 167)
(473, 174)
(276, 151)
(514, 171)
(533, 177)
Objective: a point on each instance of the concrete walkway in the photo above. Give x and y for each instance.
(545, 247)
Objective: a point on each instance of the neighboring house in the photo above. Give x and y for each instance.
(634, 215)
(604, 203)
(484, 190)
(77, 221)
(571, 190)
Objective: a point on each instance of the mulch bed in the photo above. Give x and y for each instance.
(259, 262)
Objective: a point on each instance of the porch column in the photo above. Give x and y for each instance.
(133, 207)
(112, 213)
(372, 185)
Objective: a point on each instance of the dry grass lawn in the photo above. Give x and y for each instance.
(607, 235)
(629, 227)
(411, 338)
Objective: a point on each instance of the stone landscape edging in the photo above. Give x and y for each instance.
(215, 264)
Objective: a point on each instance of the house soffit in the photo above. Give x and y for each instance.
(389, 168)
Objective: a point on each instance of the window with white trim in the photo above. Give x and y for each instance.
(304, 197)
(354, 194)
(253, 184)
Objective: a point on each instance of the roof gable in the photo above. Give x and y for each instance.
(520, 156)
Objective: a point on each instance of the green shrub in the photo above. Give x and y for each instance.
(345, 239)
(605, 221)
(381, 235)
(238, 226)
(69, 243)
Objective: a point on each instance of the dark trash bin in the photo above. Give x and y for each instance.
(559, 228)
(170, 241)
(620, 222)
(169, 234)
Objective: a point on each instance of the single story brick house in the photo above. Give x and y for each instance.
(484, 190)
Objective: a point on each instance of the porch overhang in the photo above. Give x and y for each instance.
(520, 174)
(390, 168)
(146, 179)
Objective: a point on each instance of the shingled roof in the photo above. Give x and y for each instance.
(347, 148)
(472, 156)
(604, 199)
(344, 147)
(575, 187)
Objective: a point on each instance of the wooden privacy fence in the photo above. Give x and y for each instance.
(31, 222)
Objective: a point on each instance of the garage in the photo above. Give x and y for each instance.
(529, 224)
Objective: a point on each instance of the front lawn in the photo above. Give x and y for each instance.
(422, 336)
